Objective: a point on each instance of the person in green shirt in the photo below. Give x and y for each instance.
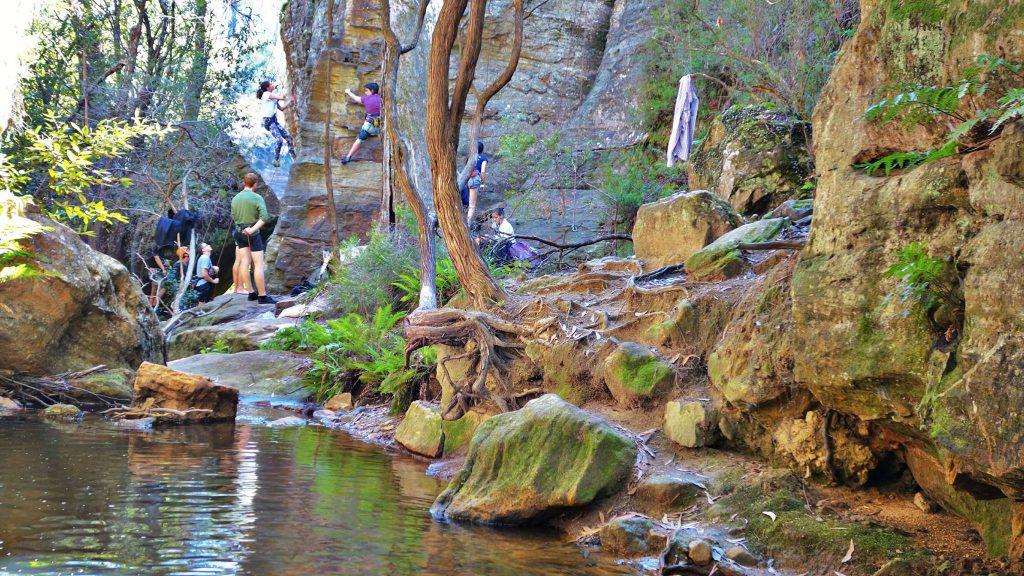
(249, 212)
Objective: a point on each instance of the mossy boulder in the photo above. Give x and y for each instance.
(62, 412)
(114, 383)
(691, 424)
(754, 158)
(420, 430)
(459, 433)
(630, 537)
(634, 374)
(722, 260)
(667, 492)
(526, 465)
(669, 231)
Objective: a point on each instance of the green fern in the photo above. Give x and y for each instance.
(915, 105)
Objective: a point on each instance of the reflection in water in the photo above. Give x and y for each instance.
(238, 499)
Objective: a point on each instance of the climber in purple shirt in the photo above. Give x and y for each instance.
(371, 125)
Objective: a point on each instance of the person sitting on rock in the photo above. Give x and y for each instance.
(270, 103)
(207, 274)
(371, 124)
(476, 181)
(249, 212)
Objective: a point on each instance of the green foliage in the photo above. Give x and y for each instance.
(352, 348)
(779, 54)
(924, 281)
(447, 280)
(631, 179)
(913, 105)
(366, 281)
(69, 163)
(219, 346)
(16, 261)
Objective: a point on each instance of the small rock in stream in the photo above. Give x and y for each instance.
(287, 422)
(9, 404)
(63, 412)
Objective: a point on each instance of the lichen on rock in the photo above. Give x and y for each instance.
(526, 465)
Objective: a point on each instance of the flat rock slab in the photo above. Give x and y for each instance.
(237, 335)
(270, 373)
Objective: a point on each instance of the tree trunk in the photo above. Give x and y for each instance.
(395, 168)
(200, 64)
(443, 119)
(485, 97)
(332, 215)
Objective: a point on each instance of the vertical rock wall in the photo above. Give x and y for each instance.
(578, 71)
(953, 386)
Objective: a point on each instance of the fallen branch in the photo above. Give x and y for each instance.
(774, 245)
(573, 245)
(56, 389)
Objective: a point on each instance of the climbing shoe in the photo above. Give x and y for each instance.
(346, 160)
(277, 162)
(267, 300)
(253, 295)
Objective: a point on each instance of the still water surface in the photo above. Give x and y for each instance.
(239, 499)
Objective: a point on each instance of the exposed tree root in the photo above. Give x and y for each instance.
(495, 342)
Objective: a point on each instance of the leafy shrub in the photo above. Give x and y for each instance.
(367, 280)
(779, 54)
(631, 179)
(351, 349)
(219, 346)
(447, 280)
(918, 104)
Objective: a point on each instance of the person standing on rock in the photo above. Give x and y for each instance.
(270, 103)
(249, 212)
(207, 274)
(371, 124)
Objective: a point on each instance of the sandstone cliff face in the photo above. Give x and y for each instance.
(958, 403)
(579, 71)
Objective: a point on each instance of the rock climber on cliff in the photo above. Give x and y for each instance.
(270, 103)
(371, 124)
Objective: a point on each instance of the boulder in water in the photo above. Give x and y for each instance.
(62, 412)
(158, 386)
(523, 466)
(420, 431)
(630, 537)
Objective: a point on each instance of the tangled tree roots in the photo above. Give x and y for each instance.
(496, 342)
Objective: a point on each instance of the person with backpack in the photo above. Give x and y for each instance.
(371, 123)
(270, 103)
(477, 180)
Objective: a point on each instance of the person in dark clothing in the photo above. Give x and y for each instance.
(371, 124)
(477, 180)
(270, 103)
(158, 263)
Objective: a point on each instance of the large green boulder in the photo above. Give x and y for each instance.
(754, 158)
(669, 230)
(420, 430)
(634, 373)
(722, 260)
(526, 465)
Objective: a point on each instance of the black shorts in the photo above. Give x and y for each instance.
(205, 292)
(253, 243)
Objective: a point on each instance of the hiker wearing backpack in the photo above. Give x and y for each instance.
(477, 180)
(270, 103)
(249, 212)
(371, 123)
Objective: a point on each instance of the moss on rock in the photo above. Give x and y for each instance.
(634, 374)
(523, 466)
(721, 259)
